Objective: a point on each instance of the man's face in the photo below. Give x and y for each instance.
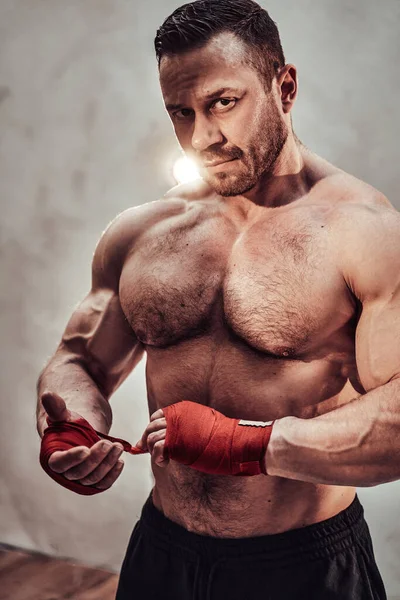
(222, 114)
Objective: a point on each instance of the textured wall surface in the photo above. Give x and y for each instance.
(83, 135)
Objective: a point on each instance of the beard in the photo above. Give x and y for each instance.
(256, 162)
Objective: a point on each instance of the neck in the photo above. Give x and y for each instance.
(287, 180)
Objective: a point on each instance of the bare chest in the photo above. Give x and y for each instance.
(272, 283)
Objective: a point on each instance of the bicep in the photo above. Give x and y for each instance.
(370, 259)
(378, 341)
(99, 336)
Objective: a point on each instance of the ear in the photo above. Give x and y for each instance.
(287, 84)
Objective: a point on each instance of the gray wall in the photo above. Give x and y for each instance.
(83, 136)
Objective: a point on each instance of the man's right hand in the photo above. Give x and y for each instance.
(98, 466)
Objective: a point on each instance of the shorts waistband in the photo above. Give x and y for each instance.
(323, 539)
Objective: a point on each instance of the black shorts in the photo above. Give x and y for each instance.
(332, 559)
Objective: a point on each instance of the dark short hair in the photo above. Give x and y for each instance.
(192, 25)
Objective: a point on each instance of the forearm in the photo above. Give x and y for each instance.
(68, 378)
(357, 444)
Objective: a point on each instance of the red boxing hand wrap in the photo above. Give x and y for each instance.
(203, 438)
(63, 435)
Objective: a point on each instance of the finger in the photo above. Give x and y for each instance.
(104, 467)
(55, 407)
(111, 477)
(157, 415)
(154, 438)
(159, 455)
(62, 460)
(98, 452)
(156, 425)
(153, 426)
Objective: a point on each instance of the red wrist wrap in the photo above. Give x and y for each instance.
(63, 435)
(205, 439)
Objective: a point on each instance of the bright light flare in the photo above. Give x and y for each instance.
(185, 170)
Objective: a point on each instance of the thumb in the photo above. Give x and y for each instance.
(55, 407)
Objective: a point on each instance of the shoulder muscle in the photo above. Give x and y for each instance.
(120, 236)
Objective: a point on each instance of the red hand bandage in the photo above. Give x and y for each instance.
(63, 435)
(205, 439)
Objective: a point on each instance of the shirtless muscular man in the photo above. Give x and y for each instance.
(266, 297)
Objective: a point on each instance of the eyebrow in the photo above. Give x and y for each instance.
(216, 94)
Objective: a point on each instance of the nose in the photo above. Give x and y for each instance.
(205, 133)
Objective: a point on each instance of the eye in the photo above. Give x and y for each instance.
(183, 113)
(225, 104)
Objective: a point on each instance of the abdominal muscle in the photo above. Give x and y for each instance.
(232, 507)
(226, 506)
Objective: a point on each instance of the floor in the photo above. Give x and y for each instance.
(26, 576)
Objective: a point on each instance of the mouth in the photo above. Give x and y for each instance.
(217, 163)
